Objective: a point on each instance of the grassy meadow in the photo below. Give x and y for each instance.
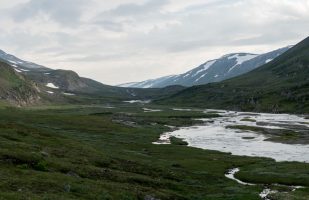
(98, 152)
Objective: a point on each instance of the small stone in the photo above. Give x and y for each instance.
(67, 187)
(45, 154)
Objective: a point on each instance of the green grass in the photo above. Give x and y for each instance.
(277, 135)
(248, 120)
(178, 141)
(247, 128)
(91, 152)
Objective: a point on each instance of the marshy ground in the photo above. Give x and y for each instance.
(99, 152)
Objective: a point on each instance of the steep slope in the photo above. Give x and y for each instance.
(217, 70)
(281, 85)
(15, 88)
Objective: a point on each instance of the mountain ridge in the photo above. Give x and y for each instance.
(216, 70)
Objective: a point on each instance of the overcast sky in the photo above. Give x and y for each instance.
(117, 41)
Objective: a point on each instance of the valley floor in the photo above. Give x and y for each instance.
(106, 152)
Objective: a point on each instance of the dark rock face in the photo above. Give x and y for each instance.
(65, 80)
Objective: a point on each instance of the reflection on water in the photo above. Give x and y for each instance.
(215, 136)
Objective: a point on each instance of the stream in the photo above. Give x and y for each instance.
(266, 191)
(214, 134)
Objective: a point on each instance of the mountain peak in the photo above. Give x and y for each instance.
(240, 54)
(225, 67)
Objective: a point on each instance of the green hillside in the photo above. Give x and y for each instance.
(15, 88)
(279, 86)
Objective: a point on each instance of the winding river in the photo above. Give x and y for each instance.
(214, 134)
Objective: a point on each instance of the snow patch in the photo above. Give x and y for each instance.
(17, 70)
(182, 109)
(11, 61)
(186, 75)
(148, 85)
(51, 85)
(201, 77)
(240, 59)
(151, 110)
(268, 60)
(138, 101)
(205, 67)
(68, 94)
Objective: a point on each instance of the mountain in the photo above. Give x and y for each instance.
(152, 83)
(281, 85)
(15, 88)
(217, 70)
(62, 80)
(65, 86)
(19, 64)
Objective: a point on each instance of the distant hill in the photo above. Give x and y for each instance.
(281, 85)
(24, 83)
(217, 70)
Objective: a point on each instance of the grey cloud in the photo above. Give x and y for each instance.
(130, 14)
(111, 25)
(157, 33)
(101, 57)
(67, 12)
(22, 40)
(210, 5)
(135, 9)
(224, 26)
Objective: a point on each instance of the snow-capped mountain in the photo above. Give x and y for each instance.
(19, 64)
(216, 70)
(152, 83)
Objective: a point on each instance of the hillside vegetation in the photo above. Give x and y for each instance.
(15, 88)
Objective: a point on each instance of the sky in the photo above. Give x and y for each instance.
(119, 41)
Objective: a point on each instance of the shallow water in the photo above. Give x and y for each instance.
(151, 110)
(138, 101)
(266, 191)
(215, 136)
